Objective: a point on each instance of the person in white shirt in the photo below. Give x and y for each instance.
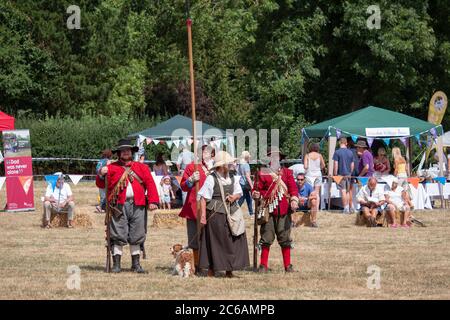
(184, 158)
(397, 199)
(59, 200)
(371, 201)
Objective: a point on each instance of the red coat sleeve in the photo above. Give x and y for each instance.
(188, 171)
(100, 182)
(290, 183)
(150, 186)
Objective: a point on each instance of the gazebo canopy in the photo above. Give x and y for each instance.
(356, 123)
(6, 122)
(180, 126)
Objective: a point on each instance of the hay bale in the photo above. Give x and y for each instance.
(301, 219)
(80, 220)
(167, 219)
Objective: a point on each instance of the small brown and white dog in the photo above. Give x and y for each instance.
(184, 261)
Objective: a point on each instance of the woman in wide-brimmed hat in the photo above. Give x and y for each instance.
(220, 249)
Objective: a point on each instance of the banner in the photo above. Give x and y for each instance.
(437, 107)
(387, 132)
(18, 170)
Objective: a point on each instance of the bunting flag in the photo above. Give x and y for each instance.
(169, 143)
(354, 138)
(433, 132)
(224, 141)
(176, 143)
(338, 133)
(337, 179)
(441, 180)
(370, 141)
(189, 141)
(75, 178)
(26, 183)
(417, 136)
(141, 139)
(148, 140)
(217, 143)
(2, 181)
(404, 140)
(414, 181)
(155, 141)
(387, 141)
(363, 180)
(51, 180)
(178, 179)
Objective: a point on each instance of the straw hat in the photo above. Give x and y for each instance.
(361, 144)
(222, 158)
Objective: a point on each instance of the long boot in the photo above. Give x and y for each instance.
(116, 263)
(135, 265)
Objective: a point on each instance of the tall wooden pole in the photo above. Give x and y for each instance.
(194, 129)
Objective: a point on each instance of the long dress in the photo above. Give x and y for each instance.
(220, 250)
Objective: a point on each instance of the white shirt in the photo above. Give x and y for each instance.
(208, 187)
(184, 158)
(395, 196)
(365, 194)
(60, 195)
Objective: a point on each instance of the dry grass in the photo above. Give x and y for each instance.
(332, 261)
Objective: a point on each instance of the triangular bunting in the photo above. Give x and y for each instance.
(363, 180)
(75, 178)
(217, 143)
(26, 183)
(441, 180)
(337, 179)
(51, 180)
(369, 142)
(414, 181)
(189, 141)
(148, 140)
(176, 143)
(387, 141)
(2, 181)
(169, 143)
(178, 179)
(338, 133)
(404, 140)
(155, 141)
(433, 132)
(225, 141)
(354, 138)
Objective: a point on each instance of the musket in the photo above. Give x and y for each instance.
(255, 222)
(108, 229)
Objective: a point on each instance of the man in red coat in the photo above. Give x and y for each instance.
(279, 192)
(189, 210)
(127, 183)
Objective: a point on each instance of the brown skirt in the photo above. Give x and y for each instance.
(220, 250)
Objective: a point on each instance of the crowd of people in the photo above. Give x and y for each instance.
(224, 184)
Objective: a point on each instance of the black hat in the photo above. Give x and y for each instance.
(125, 144)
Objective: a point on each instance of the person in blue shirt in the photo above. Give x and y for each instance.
(308, 198)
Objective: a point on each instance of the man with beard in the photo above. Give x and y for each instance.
(279, 192)
(127, 182)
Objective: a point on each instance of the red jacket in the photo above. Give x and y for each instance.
(265, 186)
(115, 171)
(189, 209)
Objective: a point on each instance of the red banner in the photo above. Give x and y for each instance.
(18, 170)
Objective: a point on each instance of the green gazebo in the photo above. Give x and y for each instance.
(375, 123)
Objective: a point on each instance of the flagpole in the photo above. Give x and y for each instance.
(193, 116)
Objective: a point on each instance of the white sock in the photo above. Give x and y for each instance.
(135, 249)
(117, 250)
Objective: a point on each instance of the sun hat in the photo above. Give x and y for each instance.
(361, 144)
(222, 158)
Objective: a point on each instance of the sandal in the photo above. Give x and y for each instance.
(394, 226)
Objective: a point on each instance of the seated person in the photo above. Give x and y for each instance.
(397, 199)
(371, 201)
(58, 200)
(308, 198)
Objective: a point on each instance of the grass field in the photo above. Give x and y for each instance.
(332, 261)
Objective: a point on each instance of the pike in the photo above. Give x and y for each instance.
(255, 222)
(108, 228)
(194, 129)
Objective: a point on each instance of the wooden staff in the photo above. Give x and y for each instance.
(255, 222)
(194, 129)
(108, 229)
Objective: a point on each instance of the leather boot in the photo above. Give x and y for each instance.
(116, 263)
(135, 265)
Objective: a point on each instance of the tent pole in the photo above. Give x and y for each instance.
(331, 148)
(409, 155)
(440, 151)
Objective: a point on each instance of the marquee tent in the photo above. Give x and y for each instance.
(6, 122)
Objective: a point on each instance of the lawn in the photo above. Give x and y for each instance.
(331, 261)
